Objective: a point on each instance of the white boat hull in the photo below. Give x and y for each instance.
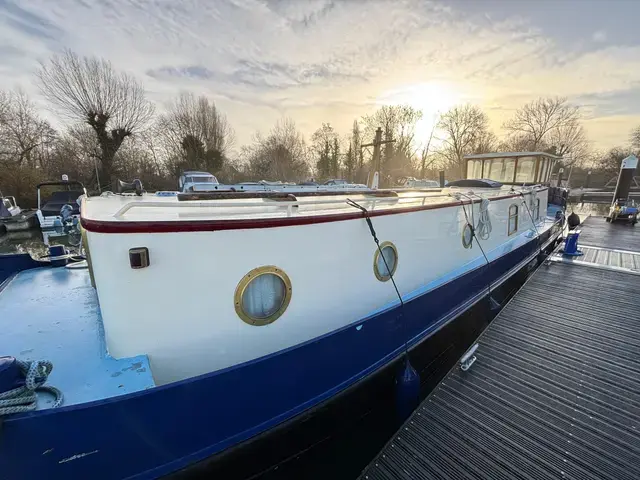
(180, 310)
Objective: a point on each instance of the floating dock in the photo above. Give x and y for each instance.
(554, 392)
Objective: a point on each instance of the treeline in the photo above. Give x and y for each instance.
(114, 132)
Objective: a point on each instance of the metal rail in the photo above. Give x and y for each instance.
(289, 205)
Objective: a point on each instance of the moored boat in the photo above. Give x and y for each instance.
(12, 217)
(62, 205)
(230, 318)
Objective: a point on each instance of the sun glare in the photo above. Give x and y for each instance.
(433, 98)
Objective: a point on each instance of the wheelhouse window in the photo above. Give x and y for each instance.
(474, 169)
(526, 170)
(543, 169)
(536, 210)
(507, 167)
(513, 219)
(202, 179)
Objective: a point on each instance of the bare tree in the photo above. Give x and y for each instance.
(24, 136)
(356, 145)
(609, 162)
(465, 127)
(424, 154)
(398, 123)
(281, 155)
(545, 121)
(634, 138)
(88, 89)
(196, 133)
(322, 142)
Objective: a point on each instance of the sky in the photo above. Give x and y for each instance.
(333, 61)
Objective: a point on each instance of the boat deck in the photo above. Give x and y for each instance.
(53, 314)
(555, 388)
(244, 205)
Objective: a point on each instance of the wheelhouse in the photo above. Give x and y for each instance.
(515, 168)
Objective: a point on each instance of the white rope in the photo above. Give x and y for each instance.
(483, 230)
(23, 399)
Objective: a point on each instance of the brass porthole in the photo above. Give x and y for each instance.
(390, 253)
(467, 236)
(262, 295)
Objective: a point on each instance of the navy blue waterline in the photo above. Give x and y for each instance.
(148, 434)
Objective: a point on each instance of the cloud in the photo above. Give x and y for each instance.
(599, 36)
(318, 61)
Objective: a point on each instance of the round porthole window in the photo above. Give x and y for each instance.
(467, 236)
(385, 267)
(262, 295)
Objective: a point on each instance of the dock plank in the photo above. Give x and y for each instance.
(555, 390)
(597, 232)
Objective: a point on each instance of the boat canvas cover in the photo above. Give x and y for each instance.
(59, 199)
(4, 211)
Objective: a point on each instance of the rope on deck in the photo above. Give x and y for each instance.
(23, 399)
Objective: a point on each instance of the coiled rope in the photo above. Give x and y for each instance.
(23, 399)
(533, 222)
(484, 223)
(483, 230)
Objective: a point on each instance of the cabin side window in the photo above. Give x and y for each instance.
(536, 210)
(513, 219)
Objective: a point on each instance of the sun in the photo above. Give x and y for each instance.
(432, 98)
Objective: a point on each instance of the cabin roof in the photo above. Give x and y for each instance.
(512, 154)
(195, 172)
(199, 211)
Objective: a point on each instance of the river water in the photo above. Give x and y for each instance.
(35, 241)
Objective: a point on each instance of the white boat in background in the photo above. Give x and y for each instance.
(12, 217)
(62, 206)
(411, 182)
(196, 181)
(8, 207)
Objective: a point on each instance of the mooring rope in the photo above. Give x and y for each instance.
(484, 223)
(23, 399)
(533, 222)
(365, 213)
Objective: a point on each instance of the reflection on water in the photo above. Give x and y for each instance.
(586, 209)
(36, 242)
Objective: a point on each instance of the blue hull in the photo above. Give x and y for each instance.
(150, 434)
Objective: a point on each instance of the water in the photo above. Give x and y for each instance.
(36, 242)
(586, 209)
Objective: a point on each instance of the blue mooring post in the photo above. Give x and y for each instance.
(407, 390)
(571, 244)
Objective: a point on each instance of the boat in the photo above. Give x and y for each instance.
(62, 205)
(12, 217)
(411, 182)
(192, 180)
(230, 331)
(195, 181)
